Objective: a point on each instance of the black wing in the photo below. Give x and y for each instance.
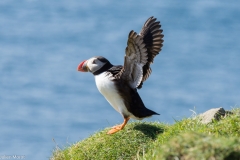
(153, 39)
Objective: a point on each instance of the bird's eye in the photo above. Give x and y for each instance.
(94, 61)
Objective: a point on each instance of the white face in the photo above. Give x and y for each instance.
(94, 64)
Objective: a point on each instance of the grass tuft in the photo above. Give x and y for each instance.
(187, 139)
(195, 146)
(130, 143)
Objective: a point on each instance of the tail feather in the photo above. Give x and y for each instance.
(138, 108)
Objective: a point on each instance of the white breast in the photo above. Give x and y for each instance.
(107, 88)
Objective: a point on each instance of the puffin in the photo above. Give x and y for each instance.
(119, 83)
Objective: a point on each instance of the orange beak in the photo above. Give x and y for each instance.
(82, 67)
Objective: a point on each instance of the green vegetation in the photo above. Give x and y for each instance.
(187, 139)
(130, 143)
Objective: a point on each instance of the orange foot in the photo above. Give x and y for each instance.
(118, 127)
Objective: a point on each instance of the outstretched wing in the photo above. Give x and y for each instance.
(153, 40)
(134, 60)
(140, 52)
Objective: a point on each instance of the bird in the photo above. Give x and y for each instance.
(119, 83)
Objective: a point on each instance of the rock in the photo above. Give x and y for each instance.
(212, 114)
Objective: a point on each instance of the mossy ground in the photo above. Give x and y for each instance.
(131, 143)
(187, 139)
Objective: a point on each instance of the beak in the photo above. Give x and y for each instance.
(82, 67)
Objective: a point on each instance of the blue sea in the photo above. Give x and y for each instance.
(45, 103)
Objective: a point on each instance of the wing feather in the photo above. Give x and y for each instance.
(140, 52)
(153, 39)
(134, 60)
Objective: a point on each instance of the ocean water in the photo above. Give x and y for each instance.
(45, 102)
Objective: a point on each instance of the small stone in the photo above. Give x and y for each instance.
(212, 114)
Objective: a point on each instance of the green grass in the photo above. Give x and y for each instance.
(187, 139)
(196, 146)
(130, 143)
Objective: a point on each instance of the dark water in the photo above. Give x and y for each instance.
(43, 97)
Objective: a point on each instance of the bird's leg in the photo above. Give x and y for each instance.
(121, 126)
(118, 127)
